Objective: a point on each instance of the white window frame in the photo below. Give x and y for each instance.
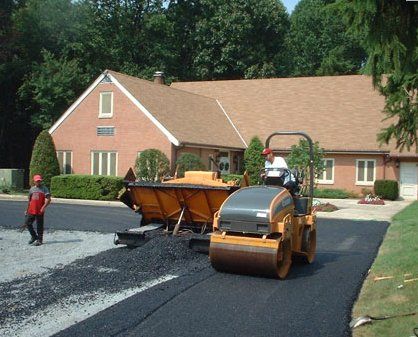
(101, 163)
(101, 114)
(365, 182)
(107, 127)
(64, 159)
(327, 181)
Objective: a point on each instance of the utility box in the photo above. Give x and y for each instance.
(12, 178)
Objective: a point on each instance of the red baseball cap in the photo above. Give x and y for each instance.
(266, 151)
(37, 177)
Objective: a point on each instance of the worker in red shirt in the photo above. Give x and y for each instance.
(39, 199)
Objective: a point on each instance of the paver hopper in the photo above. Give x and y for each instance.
(259, 228)
(189, 202)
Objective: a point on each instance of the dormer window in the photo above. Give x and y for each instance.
(106, 105)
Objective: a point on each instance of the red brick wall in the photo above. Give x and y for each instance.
(345, 172)
(133, 132)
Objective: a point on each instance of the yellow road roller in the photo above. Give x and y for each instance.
(259, 229)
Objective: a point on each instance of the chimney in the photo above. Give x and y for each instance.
(159, 77)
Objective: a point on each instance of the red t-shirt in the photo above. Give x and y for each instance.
(37, 196)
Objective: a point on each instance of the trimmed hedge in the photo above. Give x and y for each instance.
(331, 193)
(386, 189)
(91, 187)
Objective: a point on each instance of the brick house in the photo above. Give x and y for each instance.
(119, 116)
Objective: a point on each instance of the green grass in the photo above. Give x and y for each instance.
(398, 256)
(331, 193)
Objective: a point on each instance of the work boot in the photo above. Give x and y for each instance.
(37, 243)
(32, 240)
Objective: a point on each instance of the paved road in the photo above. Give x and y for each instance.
(72, 217)
(315, 300)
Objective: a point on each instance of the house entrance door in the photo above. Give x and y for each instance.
(224, 164)
(408, 180)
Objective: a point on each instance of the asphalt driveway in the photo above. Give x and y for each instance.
(163, 288)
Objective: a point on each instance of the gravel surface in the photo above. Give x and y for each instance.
(31, 305)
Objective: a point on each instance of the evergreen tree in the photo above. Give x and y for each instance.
(390, 30)
(44, 158)
(253, 160)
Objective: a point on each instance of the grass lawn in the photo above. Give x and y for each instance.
(398, 259)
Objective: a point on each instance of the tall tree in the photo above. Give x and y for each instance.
(390, 28)
(320, 44)
(184, 16)
(240, 39)
(15, 132)
(132, 36)
(51, 88)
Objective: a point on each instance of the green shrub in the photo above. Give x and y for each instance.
(91, 187)
(44, 159)
(253, 160)
(331, 193)
(189, 162)
(232, 177)
(152, 165)
(386, 189)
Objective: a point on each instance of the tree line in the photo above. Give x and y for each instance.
(52, 49)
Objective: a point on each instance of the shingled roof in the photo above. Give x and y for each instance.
(342, 113)
(191, 118)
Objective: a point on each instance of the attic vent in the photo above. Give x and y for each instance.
(105, 130)
(106, 79)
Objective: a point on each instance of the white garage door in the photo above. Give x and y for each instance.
(408, 181)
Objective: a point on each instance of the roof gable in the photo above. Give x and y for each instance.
(183, 117)
(190, 118)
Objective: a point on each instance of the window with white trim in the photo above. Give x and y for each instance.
(365, 171)
(327, 176)
(65, 160)
(104, 163)
(106, 104)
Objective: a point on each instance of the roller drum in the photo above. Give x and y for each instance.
(251, 256)
(244, 259)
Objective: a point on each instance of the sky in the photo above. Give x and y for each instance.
(290, 4)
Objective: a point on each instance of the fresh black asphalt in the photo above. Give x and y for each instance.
(315, 300)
